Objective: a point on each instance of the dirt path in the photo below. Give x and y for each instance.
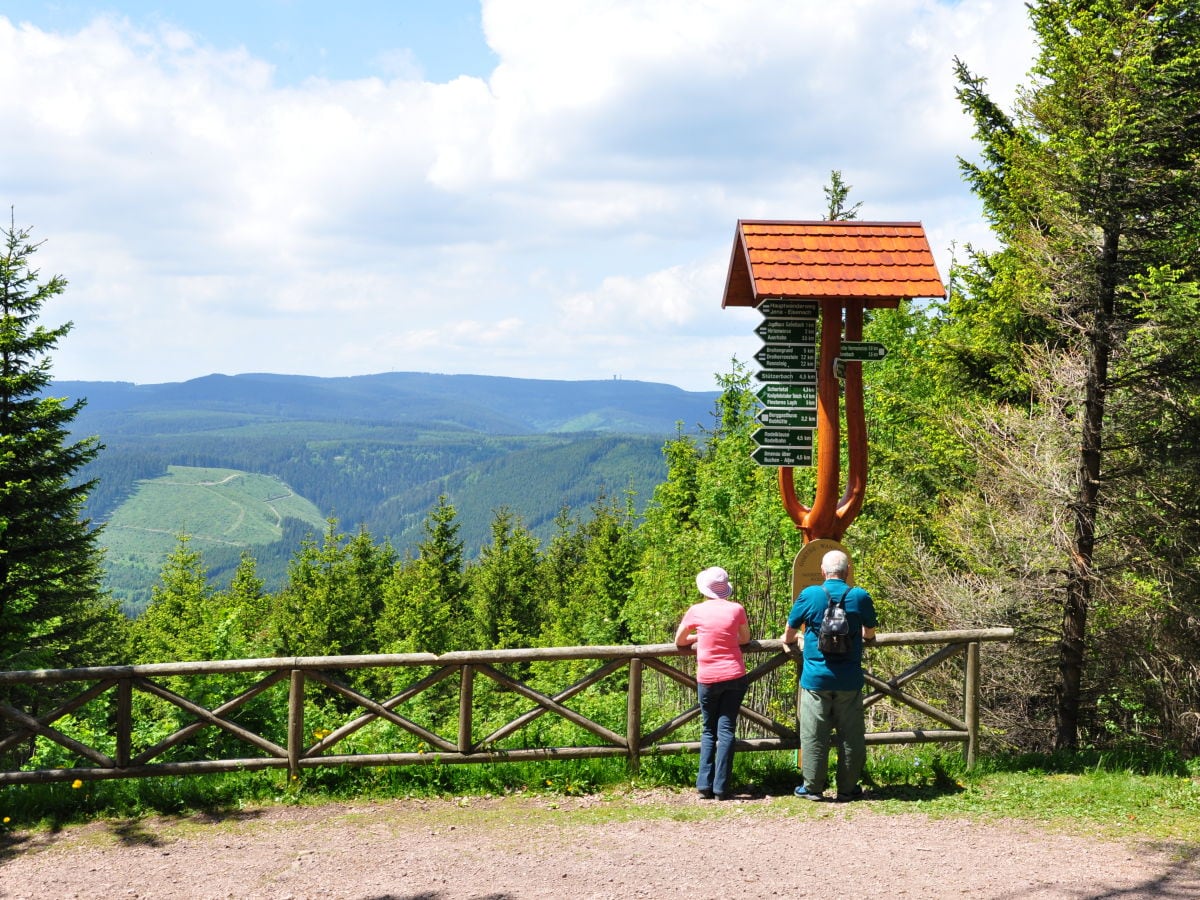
(660, 845)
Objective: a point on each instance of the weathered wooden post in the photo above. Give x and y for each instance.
(971, 703)
(124, 721)
(295, 746)
(466, 702)
(633, 715)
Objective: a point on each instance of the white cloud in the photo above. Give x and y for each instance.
(570, 216)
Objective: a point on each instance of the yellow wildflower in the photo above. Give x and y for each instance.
(77, 783)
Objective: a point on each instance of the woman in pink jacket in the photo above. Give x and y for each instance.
(717, 627)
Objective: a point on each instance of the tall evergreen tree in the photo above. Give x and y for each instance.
(334, 596)
(1093, 186)
(178, 622)
(837, 192)
(587, 576)
(425, 601)
(52, 611)
(248, 609)
(504, 585)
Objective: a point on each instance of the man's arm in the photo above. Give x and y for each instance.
(791, 633)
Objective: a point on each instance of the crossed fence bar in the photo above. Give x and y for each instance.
(120, 682)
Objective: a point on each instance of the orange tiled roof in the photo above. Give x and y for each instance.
(880, 262)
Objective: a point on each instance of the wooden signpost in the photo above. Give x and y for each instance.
(813, 281)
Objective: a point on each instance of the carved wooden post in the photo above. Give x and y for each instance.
(846, 267)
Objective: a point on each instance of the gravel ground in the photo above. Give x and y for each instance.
(656, 845)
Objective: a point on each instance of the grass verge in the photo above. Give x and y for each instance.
(1147, 797)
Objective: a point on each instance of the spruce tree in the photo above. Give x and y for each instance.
(504, 585)
(1093, 187)
(425, 600)
(52, 612)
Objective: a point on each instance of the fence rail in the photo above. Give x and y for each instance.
(116, 685)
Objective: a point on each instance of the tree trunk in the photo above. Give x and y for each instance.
(1080, 577)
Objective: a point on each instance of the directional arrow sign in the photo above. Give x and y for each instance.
(788, 376)
(787, 356)
(783, 437)
(782, 456)
(790, 309)
(789, 396)
(787, 418)
(856, 351)
(788, 331)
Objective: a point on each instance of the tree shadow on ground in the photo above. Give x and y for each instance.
(1181, 878)
(146, 832)
(12, 844)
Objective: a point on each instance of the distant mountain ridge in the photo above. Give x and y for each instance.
(489, 404)
(371, 451)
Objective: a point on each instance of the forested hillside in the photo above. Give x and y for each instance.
(373, 452)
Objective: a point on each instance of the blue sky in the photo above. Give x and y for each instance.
(435, 39)
(534, 188)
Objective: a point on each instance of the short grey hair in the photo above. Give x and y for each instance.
(835, 564)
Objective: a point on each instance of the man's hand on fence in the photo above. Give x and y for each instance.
(792, 649)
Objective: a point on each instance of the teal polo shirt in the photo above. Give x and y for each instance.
(819, 673)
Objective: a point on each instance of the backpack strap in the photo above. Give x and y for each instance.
(840, 601)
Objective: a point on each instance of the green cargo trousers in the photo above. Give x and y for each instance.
(821, 713)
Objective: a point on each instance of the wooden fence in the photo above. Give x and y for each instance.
(305, 748)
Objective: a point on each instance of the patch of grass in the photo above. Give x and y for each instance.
(51, 806)
(1115, 797)
(1105, 795)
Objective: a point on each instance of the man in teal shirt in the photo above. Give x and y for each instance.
(831, 689)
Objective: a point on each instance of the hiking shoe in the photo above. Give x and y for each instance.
(705, 794)
(805, 794)
(856, 794)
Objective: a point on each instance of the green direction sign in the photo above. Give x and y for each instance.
(788, 396)
(788, 331)
(783, 437)
(787, 418)
(783, 456)
(858, 351)
(787, 356)
(788, 376)
(777, 308)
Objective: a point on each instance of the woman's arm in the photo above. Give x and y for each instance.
(685, 636)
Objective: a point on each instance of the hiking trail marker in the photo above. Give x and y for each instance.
(813, 282)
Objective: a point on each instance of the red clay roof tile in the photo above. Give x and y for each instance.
(879, 262)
